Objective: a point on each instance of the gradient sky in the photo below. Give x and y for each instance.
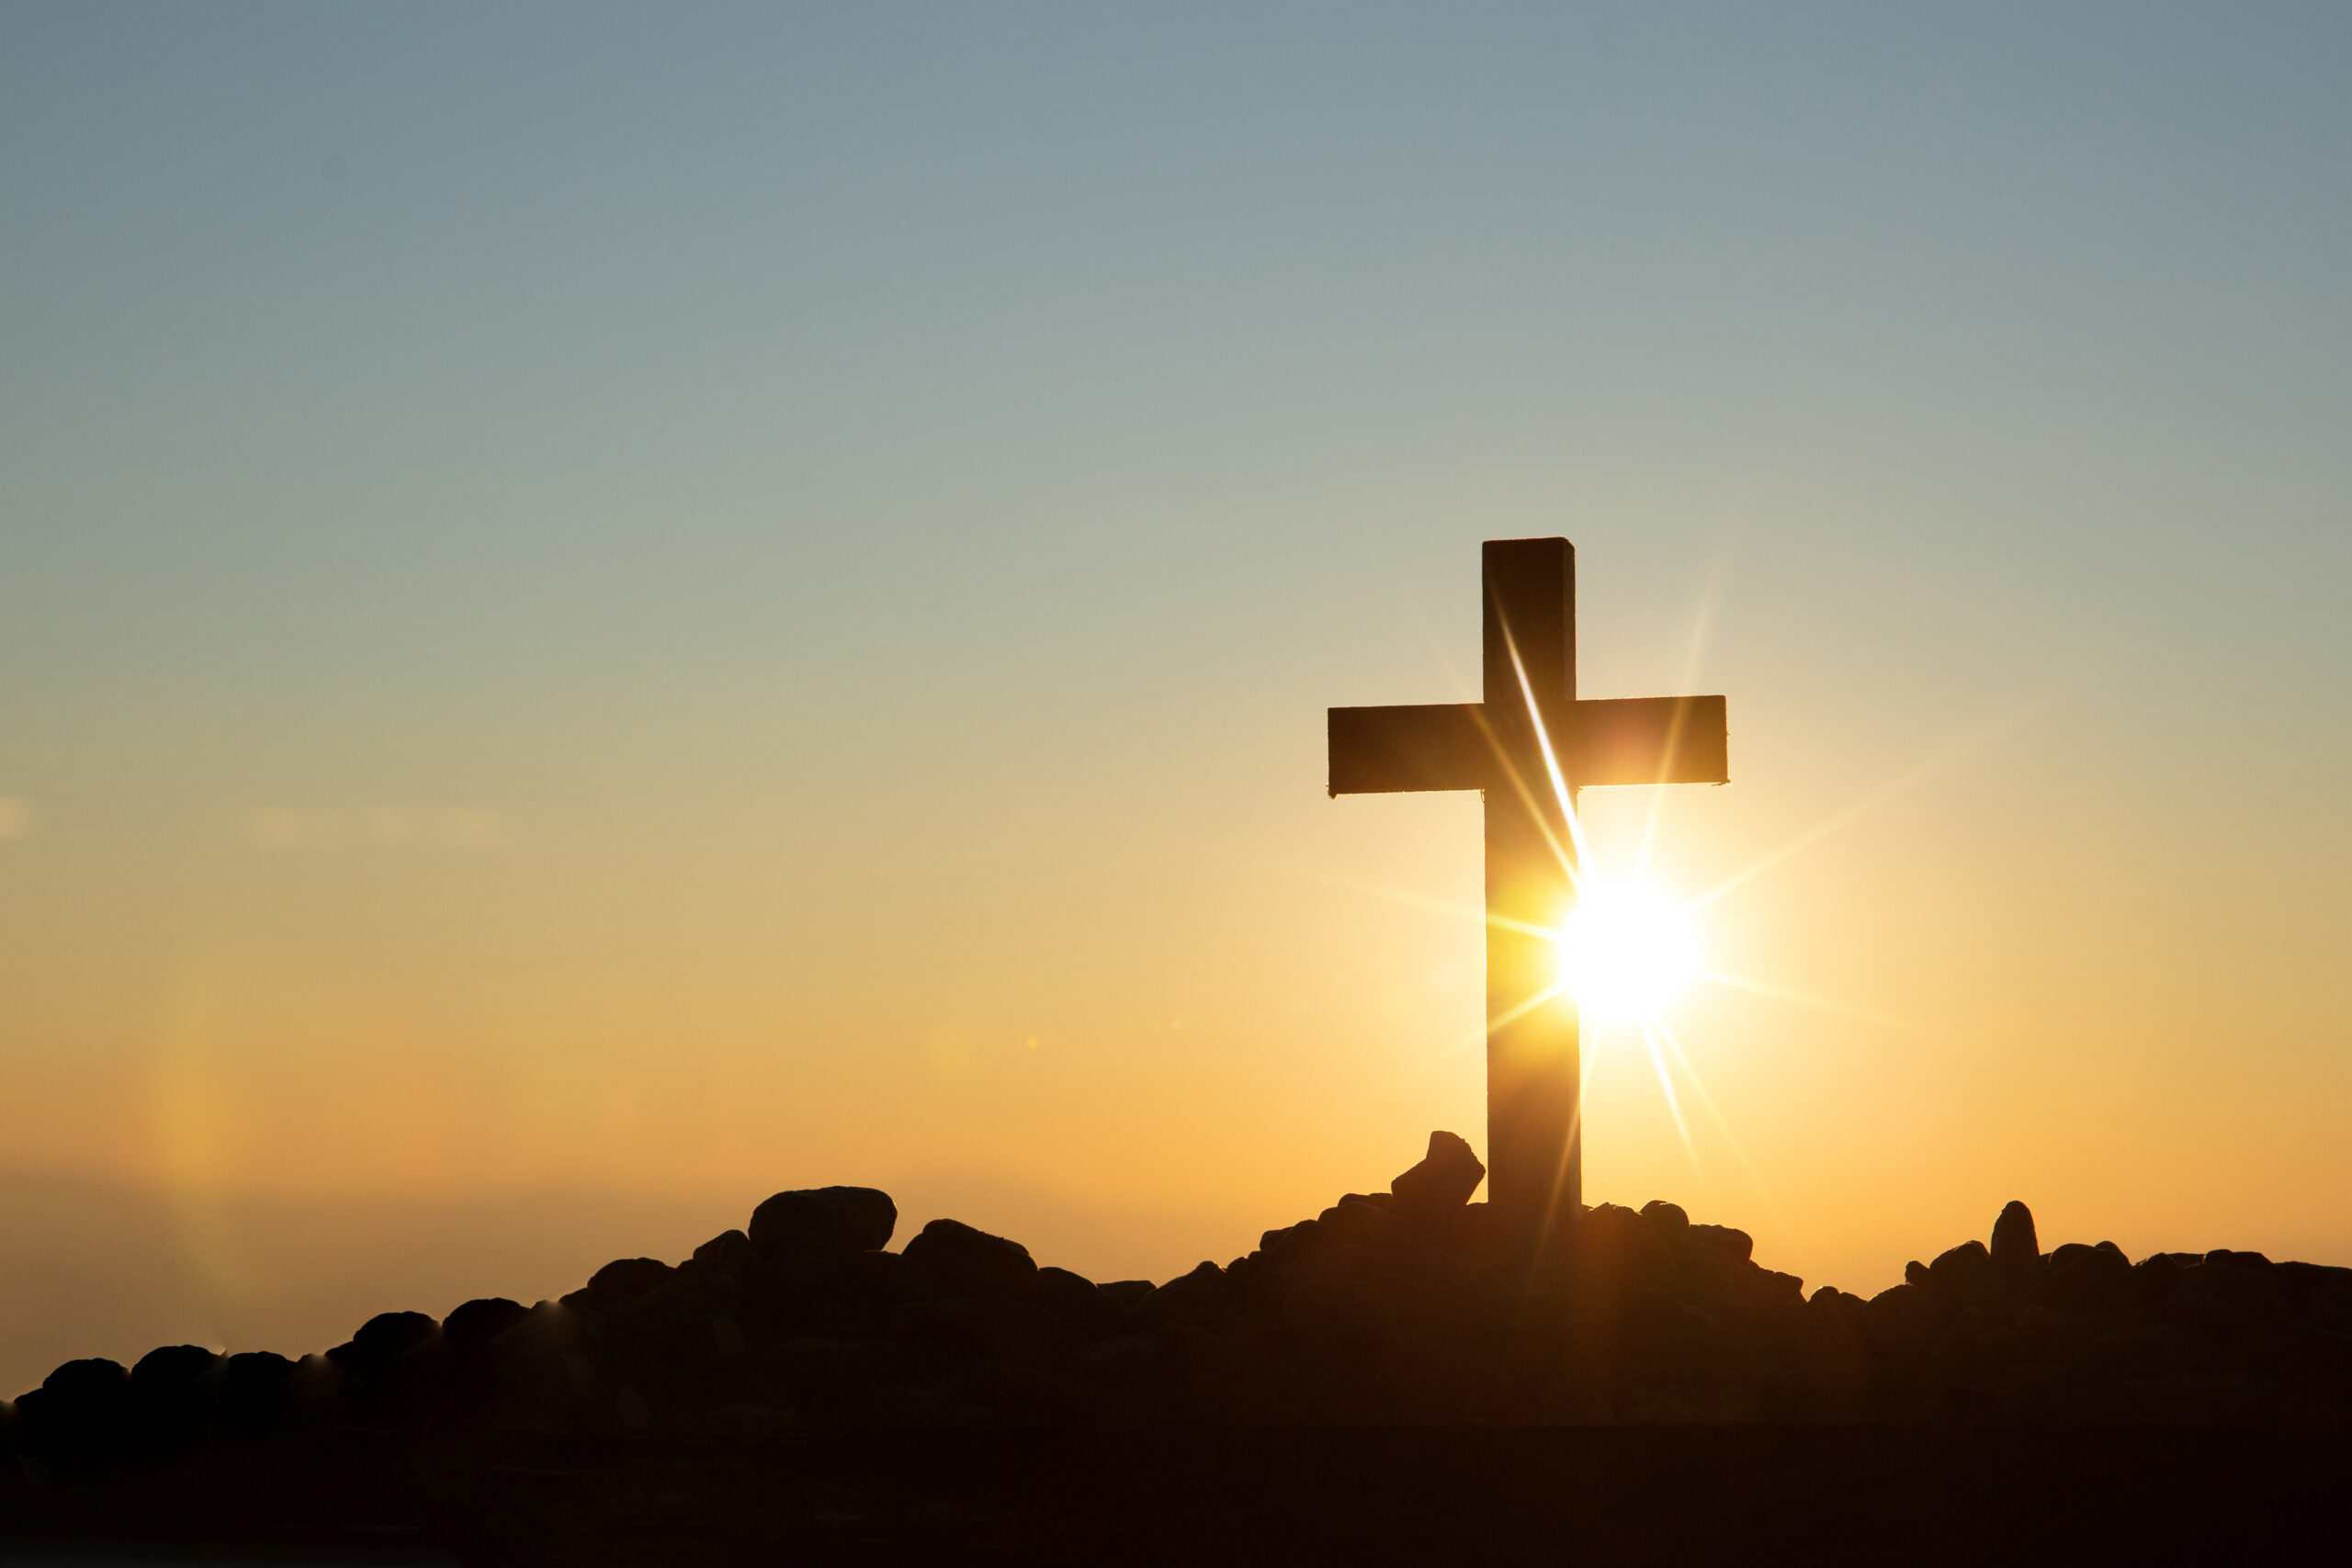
(671, 602)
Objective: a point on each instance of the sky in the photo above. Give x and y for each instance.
(604, 610)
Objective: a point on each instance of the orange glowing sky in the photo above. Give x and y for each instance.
(602, 612)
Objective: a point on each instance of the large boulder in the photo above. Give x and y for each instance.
(967, 1261)
(833, 1222)
(1444, 1179)
(472, 1325)
(384, 1339)
(1072, 1296)
(625, 1279)
(1960, 1277)
(166, 1388)
(2015, 1248)
(254, 1387)
(1355, 1222)
(1192, 1295)
(166, 1371)
(2082, 1278)
(1673, 1222)
(2227, 1298)
(1727, 1239)
(79, 1409)
(731, 1248)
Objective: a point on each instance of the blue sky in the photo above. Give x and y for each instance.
(807, 482)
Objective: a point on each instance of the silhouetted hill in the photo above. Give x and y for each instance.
(110, 1267)
(92, 1267)
(1406, 1308)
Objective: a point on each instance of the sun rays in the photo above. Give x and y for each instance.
(1630, 951)
(1589, 950)
(1627, 951)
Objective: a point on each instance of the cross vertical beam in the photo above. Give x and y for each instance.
(1533, 1065)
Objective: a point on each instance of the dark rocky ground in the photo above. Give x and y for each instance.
(1398, 1368)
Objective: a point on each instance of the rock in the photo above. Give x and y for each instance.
(727, 1247)
(255, 1369)
(1299, 1244)
(832, 1221)
(1738, 1244)
(1073, 1296)
(169, 1368)
(472, 1327)
(2015, 1248)
(1835, 1305)
(2084, 1277)
(1960, 1277)
(383, 1338)
(78, 1411)
(253, 1385)
(625, 1279)
(381, 1365)
(167, 1387)
(92, 1377)
(1900, 1320)
(890, 1276)
(794, 1293)
(1444, 1179)
(1612, 1252)
(1412, 1305)
(679, 1309)
(2319, 1282)
(2154, 1278)
(967, 1261)
(1186, 1297)
(1362, 1224)
(2226, 1298)
(550, 1329)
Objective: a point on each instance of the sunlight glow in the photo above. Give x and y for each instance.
(1627, 951)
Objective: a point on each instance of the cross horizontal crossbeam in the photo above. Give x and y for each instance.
(1616, 740)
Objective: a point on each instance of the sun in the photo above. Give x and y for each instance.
(1626, 951)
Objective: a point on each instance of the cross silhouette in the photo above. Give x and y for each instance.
(1529, 748)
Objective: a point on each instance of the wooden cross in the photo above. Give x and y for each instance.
(1529, 746)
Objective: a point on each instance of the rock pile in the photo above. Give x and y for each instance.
(1409, 1305)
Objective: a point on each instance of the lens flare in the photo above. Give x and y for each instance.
(1627, 951)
